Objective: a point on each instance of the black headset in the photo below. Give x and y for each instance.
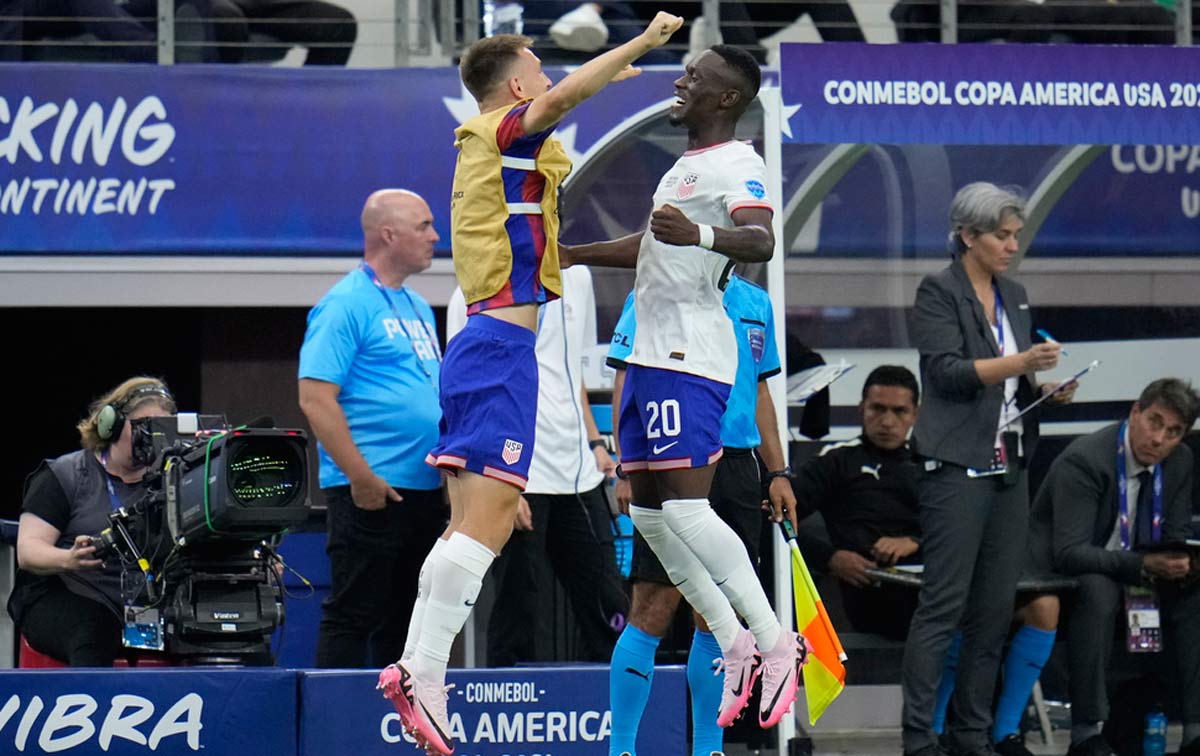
(111, 417)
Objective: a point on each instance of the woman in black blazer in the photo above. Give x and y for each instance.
(972, 327)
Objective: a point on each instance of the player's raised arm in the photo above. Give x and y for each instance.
(751, 240)
(616, 253)
(585, 81)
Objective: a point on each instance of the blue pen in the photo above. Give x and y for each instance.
(1046, 335)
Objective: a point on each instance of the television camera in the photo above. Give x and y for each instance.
(197, 550)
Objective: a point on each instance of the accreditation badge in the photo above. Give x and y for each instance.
(1143, 621)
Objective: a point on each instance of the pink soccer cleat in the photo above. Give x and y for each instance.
(781, 677)
(396, 683)
(740, 665)
(430, 720)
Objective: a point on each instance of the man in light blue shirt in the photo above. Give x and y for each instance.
(369, 378)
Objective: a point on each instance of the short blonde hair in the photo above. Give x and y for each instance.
(126, 398)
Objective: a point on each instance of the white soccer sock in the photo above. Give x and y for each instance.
(418, 612)
(724, 556)
(455, 577)
(688, 575)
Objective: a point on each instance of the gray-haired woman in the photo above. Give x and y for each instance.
(973, 329)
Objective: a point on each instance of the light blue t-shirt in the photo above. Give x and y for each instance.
(749, 307)
(383, 353)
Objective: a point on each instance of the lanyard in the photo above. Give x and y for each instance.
(387, 297)
(1000, 335)
(1123, 494)
(999, 318)
(113, 499)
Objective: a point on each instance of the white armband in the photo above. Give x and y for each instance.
(706, 235)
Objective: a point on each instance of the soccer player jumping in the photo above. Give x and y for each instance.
(504, 225)
(711, 211)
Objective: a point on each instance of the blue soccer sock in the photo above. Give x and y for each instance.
(707, 736)
(1027, 655)
(946, 686)
(629, 679)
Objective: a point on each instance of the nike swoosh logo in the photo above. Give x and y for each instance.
(774, 699)
(469, 603)
(660, 449)
(738, 690)
(639, 674)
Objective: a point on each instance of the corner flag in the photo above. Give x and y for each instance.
(824, 675)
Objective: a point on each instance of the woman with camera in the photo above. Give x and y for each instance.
(66, 602)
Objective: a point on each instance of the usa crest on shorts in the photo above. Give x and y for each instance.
(512, 451)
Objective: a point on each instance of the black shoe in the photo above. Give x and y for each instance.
(1191, 749)
(1096, 745)
(984, 751)
(1013, 745)
(933, 749)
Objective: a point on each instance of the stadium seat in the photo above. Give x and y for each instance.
(31, 658)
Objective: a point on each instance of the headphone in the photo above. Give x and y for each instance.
(111, 417)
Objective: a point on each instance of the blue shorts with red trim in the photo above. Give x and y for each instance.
(489, 401)
(670, 420)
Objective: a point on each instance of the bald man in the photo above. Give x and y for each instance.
(369, 378)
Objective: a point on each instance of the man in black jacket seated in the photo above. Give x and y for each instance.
(1108, 513)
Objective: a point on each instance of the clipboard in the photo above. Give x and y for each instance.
(1073, 379)
(802, 385)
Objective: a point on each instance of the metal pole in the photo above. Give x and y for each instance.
(166, 32)
(772, 102)
(949, 21)
(712, 22)
(401, 43)
(470, 25)
(1183, 23)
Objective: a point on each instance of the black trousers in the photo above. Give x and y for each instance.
(375, 559)
(883, 609)
(1095, 613)
(974, 532)
(71, 628)
(327, 30)
(571, 539)
(128, 28)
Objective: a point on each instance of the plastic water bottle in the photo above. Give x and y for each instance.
(502, 18)
(1154, 739)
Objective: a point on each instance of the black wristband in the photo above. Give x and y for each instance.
(786, 472)
(621, 473)
(597, 443)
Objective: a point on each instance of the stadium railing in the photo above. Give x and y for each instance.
(396, 33)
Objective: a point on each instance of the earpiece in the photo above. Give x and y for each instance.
(108, 419)
(111, 417)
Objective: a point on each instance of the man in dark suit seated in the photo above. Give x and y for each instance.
(1107, 500)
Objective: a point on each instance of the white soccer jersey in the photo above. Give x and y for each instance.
(682, 325)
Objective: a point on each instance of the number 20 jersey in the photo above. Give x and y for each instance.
(682, 325)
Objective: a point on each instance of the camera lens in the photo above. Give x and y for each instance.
(265, 472)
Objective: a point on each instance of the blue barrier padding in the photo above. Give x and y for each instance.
(295, 642)
(118, 713)
(494, 712)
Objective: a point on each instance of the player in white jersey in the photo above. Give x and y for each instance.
(711, 210)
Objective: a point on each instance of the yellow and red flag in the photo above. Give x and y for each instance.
(824, 674)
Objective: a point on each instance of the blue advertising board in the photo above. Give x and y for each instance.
(122, 713)
(991, 94)
(237, 160)
(534, 711)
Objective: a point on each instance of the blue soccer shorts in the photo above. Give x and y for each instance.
(489, 401)
(670, 420)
